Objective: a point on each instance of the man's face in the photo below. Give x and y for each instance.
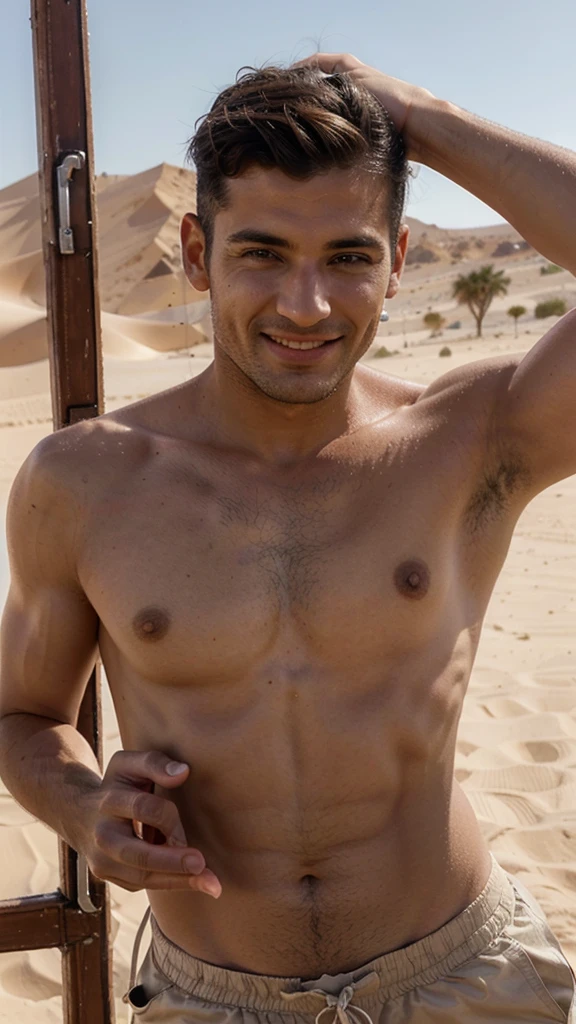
(300, 262)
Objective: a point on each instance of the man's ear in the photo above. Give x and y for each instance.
(193, 242)
(399, 260)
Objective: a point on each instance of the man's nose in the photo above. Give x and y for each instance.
(302, 298)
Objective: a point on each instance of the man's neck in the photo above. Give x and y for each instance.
(241, 416)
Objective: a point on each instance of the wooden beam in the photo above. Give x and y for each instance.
(39, 922)
(69, 234)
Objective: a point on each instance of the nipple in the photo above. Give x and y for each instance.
(151, 624)
(412, 578)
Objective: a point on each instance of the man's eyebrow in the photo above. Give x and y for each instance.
(356, 242)
(259, 238)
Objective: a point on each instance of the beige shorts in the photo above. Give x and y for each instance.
(497, 961)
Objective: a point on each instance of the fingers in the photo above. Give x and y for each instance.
(157, 880)
(133, 767)
(127, 796)
(331, 63)
(145, 857)
(206, 883)
(134, 864)
(138, 805)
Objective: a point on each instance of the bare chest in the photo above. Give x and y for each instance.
(197, 580)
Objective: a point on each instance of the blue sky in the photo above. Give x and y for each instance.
(156, 66)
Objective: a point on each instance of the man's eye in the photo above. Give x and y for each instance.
(260, 254)
(351, 258)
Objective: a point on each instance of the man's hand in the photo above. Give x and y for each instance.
(397, 97)
(113, 851)
(530, 183)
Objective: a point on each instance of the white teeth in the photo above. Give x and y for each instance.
(296, 344)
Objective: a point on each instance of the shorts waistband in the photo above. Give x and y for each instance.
(386, 977)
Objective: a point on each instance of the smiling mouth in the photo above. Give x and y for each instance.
(303, 345)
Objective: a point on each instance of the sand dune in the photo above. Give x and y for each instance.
(140, 268)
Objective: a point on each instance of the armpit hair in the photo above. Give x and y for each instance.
(491, 499)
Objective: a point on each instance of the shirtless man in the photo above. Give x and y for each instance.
(285, 564)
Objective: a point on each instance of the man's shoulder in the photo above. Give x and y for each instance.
(87, 457)
(71, 463)
(387, 391)
(88, 444)
(472, 386)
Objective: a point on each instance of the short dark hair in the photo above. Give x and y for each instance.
(301, 121)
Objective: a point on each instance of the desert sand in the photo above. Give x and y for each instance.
(516, 752)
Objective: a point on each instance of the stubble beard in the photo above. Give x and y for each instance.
(289, 387)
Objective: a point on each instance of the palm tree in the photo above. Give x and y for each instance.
(516, 311)
(476, 290)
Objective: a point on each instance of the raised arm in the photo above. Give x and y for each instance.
(533, 185)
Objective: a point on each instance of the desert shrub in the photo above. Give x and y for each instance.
(445, 351)
(382, 352)
(552, 307)
(420, 254)
(551, 268)
(460, 249)
(435, 321)
(504, 249)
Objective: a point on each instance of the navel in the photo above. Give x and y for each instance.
(309, 884)
(151, 624)
(412, 578)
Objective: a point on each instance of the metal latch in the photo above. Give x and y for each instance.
(64, 171)
(83, 886)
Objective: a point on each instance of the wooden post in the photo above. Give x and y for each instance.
(69, 234)
(64, 128)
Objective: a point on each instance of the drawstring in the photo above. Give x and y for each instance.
(135, 952)
(344, 1008)
(346, 1012)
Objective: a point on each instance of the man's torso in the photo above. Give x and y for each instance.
(303, 636)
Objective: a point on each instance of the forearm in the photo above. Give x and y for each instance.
(51, 771)
(532, 184)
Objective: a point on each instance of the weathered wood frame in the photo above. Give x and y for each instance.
(64, 127)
